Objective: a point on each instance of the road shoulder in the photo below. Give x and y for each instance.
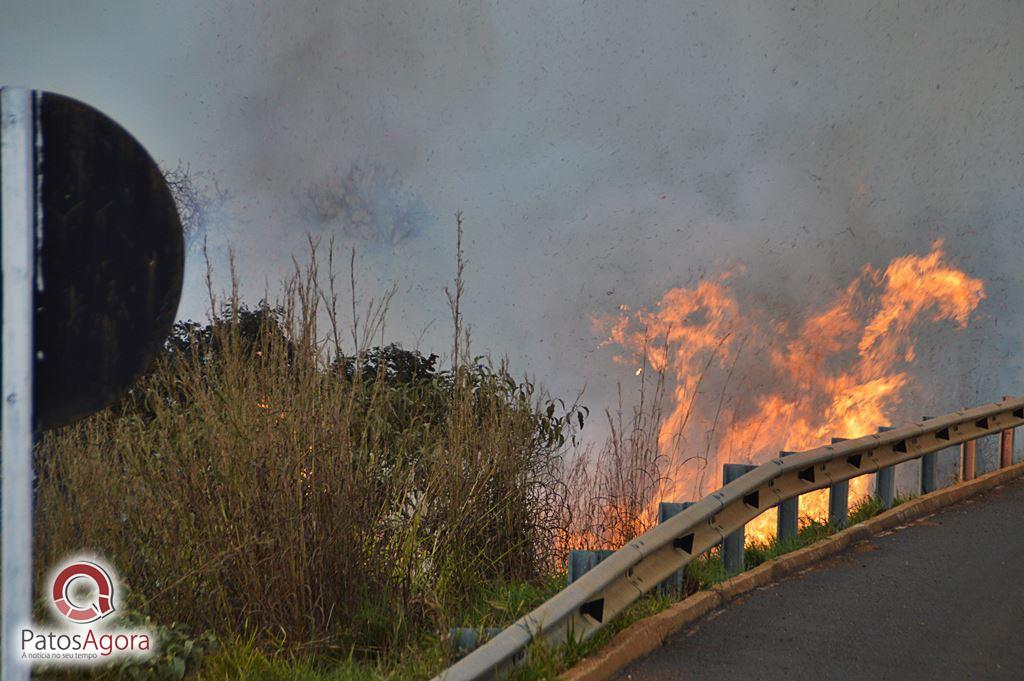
(649, 634)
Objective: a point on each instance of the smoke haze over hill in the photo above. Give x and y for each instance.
(603, 152)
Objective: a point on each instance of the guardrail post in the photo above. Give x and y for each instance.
(468, 639)
(595, 605)
(732, 547)
(929, 468)
(581, 562)
(788, 523)
(1006, 445)
(667, 509)
(839, 498)
(968, 455)
(1006, 448)
(885, 480)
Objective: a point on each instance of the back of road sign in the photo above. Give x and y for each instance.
(92, 267)
(109, 260)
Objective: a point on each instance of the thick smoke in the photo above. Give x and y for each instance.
(603, 152)
(367, 204)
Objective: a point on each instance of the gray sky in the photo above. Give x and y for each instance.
(603, 152)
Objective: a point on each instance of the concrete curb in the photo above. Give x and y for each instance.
(647, 635)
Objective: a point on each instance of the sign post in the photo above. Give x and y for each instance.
(17, 176)
(93, 256)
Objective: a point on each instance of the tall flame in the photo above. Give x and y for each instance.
(746, 386)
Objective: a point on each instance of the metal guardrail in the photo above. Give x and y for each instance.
(588, 603)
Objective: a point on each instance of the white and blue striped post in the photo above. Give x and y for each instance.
(18, 217)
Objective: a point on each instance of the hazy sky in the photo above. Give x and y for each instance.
(602, 152)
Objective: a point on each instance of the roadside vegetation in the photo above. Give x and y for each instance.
(290, 495)
(298, 490)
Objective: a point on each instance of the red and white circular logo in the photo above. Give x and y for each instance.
(98, 586)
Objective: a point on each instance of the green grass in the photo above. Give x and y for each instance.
(245, 661)
(499, 604)
(494, 604)
(547, 662)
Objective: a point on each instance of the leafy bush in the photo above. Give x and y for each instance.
(179, 651)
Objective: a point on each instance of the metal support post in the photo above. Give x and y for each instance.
(582, 562)
(885, 480)
(17, 193)
(788, 523)
(1006, 445)
(968, 455)
(667, 509)
(732, 547)
(838, 499)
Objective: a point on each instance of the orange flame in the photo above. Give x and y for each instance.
(746, 386)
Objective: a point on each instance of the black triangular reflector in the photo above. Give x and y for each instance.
(943, 434)
(900, 447)
(982, 423)
(594, 608)
(854, 460)
(684, 543)
(1019, 413)
(807, 474)
(751, 499)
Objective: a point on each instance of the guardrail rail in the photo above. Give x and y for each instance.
(604, 591)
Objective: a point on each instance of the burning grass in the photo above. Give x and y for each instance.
(745, 384)
(330, 507)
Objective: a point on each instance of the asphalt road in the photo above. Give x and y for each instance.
(940, 599)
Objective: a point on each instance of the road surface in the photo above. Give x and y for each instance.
(940, 599)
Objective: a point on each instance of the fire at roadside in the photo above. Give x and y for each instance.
(743, 385)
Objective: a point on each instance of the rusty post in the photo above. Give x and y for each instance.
(929, 468)
(788, 524)
(1006, 448)
(732, 546)
(1006, 445)
(967, 459)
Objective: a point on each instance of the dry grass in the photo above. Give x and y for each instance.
(614, 491)
(264, 483)
(313, 496)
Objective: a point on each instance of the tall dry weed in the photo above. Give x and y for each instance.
(267, 480)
